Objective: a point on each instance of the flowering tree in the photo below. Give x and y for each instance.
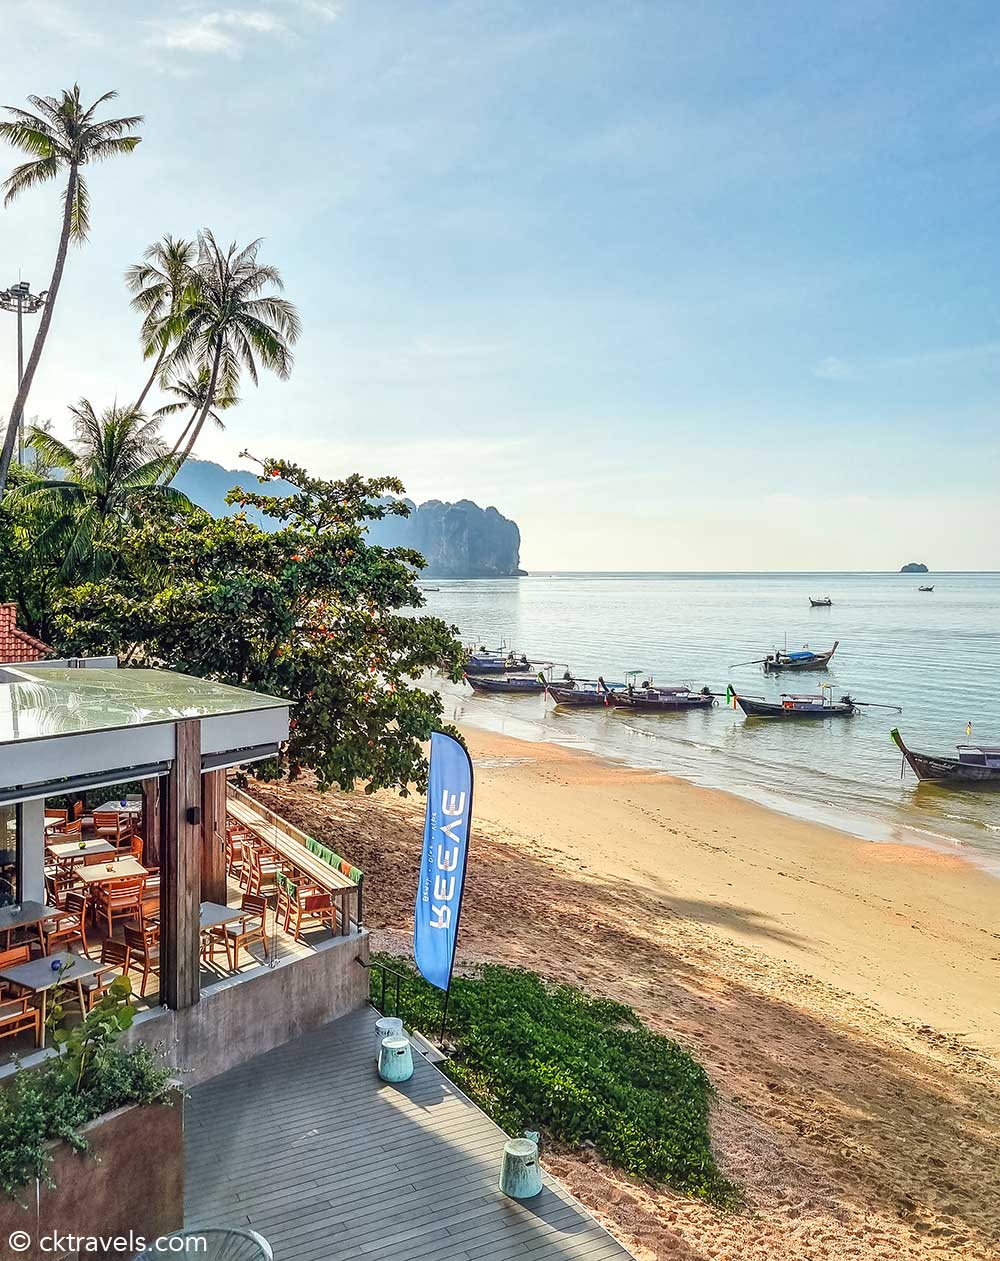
(310, 611)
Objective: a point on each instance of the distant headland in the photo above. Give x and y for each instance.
(459, 540)
(914, 567)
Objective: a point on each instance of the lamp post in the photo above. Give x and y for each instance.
(22, 301)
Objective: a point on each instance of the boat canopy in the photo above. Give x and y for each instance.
(979, 754)
(801, 655)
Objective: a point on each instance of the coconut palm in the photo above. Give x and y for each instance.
(192, 391)
(62, 137)
(229, 323)
(113, 473)
(157, 285)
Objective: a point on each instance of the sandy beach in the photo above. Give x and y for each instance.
(841, 993)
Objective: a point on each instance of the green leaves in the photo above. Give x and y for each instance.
(311, 612)
(584, 1070)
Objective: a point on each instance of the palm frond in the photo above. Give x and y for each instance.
(27, 176)
(79, 221)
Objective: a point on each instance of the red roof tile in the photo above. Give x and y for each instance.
(18, 645)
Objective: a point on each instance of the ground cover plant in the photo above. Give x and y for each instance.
(581, 1070)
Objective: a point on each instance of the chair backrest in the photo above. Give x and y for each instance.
(138, 844)
(255, 903)
(128, 887)
(57, 814)
(107, 819)
(139, 940)
(68, 827)
(75, 902)
(116, 952)
(91, 860)
(78, 810)
(15, 955)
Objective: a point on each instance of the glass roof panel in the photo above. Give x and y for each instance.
(39, 703)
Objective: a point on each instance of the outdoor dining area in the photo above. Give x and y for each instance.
(119, 856)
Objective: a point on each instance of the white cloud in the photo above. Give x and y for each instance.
(833, 369)
(215, 34)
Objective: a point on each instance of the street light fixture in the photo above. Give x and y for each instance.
(20, 299)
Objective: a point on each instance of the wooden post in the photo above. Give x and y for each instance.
(153, 820)
(213, 837)
(180, 865)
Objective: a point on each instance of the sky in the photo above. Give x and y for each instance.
(676, 286)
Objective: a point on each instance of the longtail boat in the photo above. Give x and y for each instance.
(508, 684)
(651, 699)
(497, 661)
(583, 693)
(802, 659)
(813, 705)
(975, 766)
(820, 602)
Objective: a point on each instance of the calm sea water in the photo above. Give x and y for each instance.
(937, 655)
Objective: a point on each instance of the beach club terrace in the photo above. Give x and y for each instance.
(123, 849)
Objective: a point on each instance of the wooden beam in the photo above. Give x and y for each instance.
(213, 837)
(180, 866)
(153, 820)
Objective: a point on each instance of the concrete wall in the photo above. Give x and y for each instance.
(254, 1012)
(130, 1180)
(33, 851)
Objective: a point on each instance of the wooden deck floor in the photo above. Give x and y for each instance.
(310, 1149)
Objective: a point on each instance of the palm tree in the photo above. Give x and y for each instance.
(62, 136)
(157, 285)
(227, 322)
(192, 391)
(113, 473)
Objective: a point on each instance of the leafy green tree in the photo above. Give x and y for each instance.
(157, 285)
(113, 474)
(230, 320)
(63, 136)
(312, 612)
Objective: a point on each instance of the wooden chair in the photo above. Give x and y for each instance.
(109, 825)
(262, 866)
(55, 816)
(242, 933)
(69, 925)
(137, 845)
(18, 1016)
(306, 904)
(93, 860)
(144, 951)
(10, 958)
(118, 956)
(71, 829)
(117, 899)
(151, 895)
(60, 879)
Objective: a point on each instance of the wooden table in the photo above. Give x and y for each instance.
(40, 976)
(26, 915)
(215, 915)
(123, 869)
(133, 806)
(340, 887)
(74, 849)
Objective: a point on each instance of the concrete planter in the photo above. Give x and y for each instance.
(130, 1180)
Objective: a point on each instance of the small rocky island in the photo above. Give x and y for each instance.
(914, 567)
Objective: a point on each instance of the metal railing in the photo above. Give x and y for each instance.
(384, 985)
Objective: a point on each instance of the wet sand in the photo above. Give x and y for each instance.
(842, 994)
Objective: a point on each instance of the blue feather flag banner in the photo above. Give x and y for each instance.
(446, 853)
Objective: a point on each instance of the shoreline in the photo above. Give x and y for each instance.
(839, 993)
(895, 922)
(868, 828)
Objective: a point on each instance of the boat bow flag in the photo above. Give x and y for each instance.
(446, 852)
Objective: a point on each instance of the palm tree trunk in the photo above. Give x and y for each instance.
(184, 432)
(152, 377)
(42, 332)
(209, 400)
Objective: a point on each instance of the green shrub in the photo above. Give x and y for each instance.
(582, 1070)
(90, 1076)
